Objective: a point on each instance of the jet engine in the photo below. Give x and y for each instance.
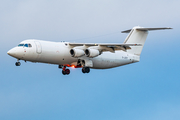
(92, 53)
(76, 52)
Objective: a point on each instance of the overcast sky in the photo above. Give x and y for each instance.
(142, 91)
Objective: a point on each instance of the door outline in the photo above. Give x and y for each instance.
(38, 47)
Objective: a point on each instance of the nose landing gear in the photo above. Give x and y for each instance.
(17, 63)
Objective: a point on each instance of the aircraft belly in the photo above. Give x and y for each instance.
(104, 61)
(110, 60)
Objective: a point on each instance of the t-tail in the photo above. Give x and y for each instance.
(138, 35)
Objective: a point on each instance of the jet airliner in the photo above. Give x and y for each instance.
(84, 55)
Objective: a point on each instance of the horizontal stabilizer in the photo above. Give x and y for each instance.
(126, 31)
(146, 29)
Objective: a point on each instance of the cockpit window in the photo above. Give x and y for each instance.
(29, 45)
(25, 45)
(20, 45)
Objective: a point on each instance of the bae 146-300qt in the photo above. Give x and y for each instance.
(84, 55)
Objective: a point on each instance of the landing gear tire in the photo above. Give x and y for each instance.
(66, 72)
(85, 69)
(17, 63)
(63, 72)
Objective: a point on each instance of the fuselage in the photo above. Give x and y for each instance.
(59, 53)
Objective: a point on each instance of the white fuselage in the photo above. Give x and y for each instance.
(84, 55)
(59, 53)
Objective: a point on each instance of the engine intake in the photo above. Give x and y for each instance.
(92, 53)
(76, 53)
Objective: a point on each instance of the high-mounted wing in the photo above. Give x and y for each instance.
(112, 47)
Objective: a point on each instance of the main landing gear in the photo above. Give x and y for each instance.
(65, 71)
(17, 63)
(85, 69)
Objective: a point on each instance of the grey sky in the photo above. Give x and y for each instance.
(71, 20)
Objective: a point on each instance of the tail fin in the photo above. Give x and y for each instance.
(138, 35)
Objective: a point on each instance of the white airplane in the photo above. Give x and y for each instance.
(84, 55)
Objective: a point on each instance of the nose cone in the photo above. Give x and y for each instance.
(12, 52)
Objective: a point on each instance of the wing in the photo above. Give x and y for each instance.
(112, 47)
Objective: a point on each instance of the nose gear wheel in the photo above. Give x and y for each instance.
(17, 63)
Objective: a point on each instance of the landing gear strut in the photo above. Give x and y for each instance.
(65, 71)
(85, 69)
(17, 63)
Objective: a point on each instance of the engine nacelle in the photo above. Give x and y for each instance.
(76, 53)
(92, 53)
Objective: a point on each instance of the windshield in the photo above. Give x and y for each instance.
(25, 45)
(20, 45)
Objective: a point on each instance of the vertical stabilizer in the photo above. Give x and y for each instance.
(138, 35)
